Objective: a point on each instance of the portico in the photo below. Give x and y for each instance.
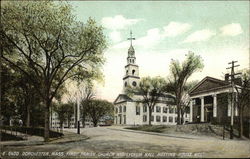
(210, 101)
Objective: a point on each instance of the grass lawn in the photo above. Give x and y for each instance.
(153, 128)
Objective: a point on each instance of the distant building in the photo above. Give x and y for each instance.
(128, 111)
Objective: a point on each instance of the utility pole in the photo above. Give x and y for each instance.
(232, 99)
(78, 114)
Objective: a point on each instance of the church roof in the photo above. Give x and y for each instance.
(123, 98)
(208, 84)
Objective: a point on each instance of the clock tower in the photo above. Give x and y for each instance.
(131, 77)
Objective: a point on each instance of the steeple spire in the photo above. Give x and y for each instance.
(131, 38)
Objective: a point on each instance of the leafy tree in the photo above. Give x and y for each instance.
(86, 94)
(179, 74)
(151, 90)
(18, 95)
(243, 93)
(46, 38)
(98, 108)
(64, 111)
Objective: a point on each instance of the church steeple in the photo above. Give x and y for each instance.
(132, 70)
(131, 51)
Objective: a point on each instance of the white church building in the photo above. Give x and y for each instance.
(128, 111)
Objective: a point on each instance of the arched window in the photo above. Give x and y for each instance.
(120, 109)
(125, 84)
(133, 72)
(124, 108)
(126, 72)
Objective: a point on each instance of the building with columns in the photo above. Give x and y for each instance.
(211, 101)
(128, 111)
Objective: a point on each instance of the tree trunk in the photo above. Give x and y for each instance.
(28, 115)
(69, 121)
(178, 114)
(95, 123)
(61, 126)
(46, 126)
(150, 114)
(182, 116)
(83, 121)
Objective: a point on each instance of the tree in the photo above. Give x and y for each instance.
(18, 95)
(243, 94)
(179, 74)
(46, 38)
(64, 111)
(86, 94)
(97, 108)
(151, 89)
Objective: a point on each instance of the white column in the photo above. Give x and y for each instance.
(214, 105)
(191, 111)
(202, 109)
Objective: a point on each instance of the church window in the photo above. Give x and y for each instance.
(127, 72)
(144, 118)
(152, 118)
(158, 118)
(125, 84)
(134, 83)
(164, 119)
(124, 109)
(171, 110)
(158, 109)
(133, 72)
(144, 108)
(170, 119)
(165, 110)
(120, 109)
(137, 110)
(175, 119)
(116, 110)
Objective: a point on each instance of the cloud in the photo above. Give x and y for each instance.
(231, 29)
(175, 28)
(115, 36)
(155, 35)
(200, 35)
(152, 37)
(118, 22)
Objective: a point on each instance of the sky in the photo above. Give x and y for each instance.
(218, 31)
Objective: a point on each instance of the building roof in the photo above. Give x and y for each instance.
(123, 98)
(209, 84)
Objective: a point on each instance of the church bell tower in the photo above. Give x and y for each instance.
(131, 77)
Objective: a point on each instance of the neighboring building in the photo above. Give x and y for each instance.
(55, 123)
(211, 101)
(128, 111)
